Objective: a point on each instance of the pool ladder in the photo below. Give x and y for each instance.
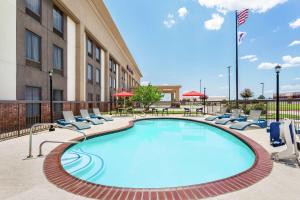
(49, 141)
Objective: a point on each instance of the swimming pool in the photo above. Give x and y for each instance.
(159, 153)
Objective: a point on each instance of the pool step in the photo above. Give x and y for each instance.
(83, 165)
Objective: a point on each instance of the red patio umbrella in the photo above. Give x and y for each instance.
(123, 94)
(193, 94)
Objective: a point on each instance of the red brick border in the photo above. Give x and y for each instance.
(58, 176)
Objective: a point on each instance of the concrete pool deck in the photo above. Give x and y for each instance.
(25, 179)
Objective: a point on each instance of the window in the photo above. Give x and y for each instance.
(114, 83)
(33, 47)
(98, 73)
(90, 48)
(110, 64)
(58, 96)
(90, 97)
(90, 73)
(33, 8)
(33, 110)
(98, 97)
(57, 58)
(110, 81)
(58, 26)
(98, 54)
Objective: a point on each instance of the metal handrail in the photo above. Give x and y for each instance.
(45, 124)
(53, 141)
(30, 135)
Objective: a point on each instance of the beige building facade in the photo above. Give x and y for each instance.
(77, 39)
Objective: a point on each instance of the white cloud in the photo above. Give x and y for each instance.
(144, 83)
(297, 79)
(182, 12)
(291, 88)
(294, 43)
(266, 65)
(170, 21)
(250, 58)
(220, 75)
(215, 23)
(295, 24)
(288, 62)
(224, 6)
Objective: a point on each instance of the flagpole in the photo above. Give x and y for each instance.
(236, 61)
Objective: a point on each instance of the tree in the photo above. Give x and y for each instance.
(147, 95)
(261, 97)
(246, 94)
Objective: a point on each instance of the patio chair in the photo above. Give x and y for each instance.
(253, 119)
(86, 116)
(154, 111)
(199, 110)
(165, 111)
(289, 136)
(221, 115)
(69, 119)
(98, 115)
(187, 111)
(235, 116)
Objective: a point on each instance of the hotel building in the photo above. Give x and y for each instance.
(77, 39)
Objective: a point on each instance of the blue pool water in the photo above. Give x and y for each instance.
(159, 153)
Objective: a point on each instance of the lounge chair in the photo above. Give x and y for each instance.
(289, 136)
(85, 115)
(69, 119)
(253, 119)
(222, 115)
(234, 117)
(98, 115)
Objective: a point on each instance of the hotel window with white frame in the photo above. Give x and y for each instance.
(33, 46)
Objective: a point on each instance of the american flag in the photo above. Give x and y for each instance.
(242, 16)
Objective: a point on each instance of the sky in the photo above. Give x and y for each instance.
(180, 42)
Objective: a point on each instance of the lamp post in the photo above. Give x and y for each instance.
(229, 68)
(204, 101)
(200, 85)
(51, 101)
(263, 89)
(277, 70)
(110, 102)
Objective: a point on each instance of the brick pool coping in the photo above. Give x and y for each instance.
(55, 174)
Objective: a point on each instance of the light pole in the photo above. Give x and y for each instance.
(229, 68)
(277, 70)
(110, 101)
(263, 89)
(200, 85)
(51, 101)
(204, 101)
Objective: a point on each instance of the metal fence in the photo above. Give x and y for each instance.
(16, 117)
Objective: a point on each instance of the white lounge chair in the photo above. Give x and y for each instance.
(86, 116)
(288, 135)
(99, 116)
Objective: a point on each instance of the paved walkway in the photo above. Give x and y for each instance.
(24, 179)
